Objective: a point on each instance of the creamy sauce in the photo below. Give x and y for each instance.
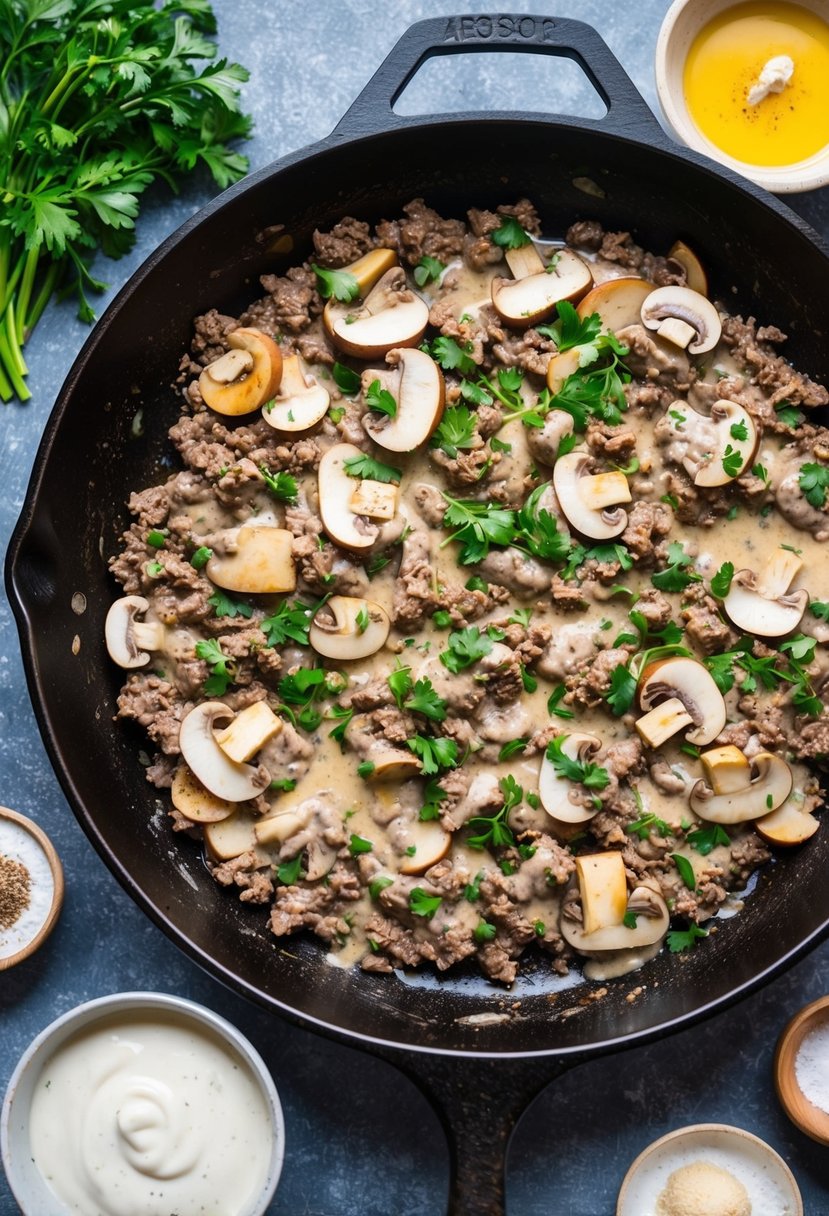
(149, 1118)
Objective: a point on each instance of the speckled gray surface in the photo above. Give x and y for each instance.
(360, 1137)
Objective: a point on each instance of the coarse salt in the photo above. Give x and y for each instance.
(811, 1067)
(18, 845)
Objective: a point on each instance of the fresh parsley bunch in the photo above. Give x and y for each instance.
(98, 98)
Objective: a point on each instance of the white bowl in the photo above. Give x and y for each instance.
(765, 1175)
(683, 21)
(27, 1184)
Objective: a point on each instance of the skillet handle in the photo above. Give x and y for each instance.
(478, 1101)
(627, 112)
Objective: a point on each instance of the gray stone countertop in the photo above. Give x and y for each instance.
(360, 1138)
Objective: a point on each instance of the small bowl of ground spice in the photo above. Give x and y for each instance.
(31, 887)
(801, 1070)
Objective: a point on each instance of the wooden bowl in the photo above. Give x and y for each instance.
(804, 1114)
(34, 930)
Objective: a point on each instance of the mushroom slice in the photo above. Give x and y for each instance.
(281, 825)
(652, 921)
(662, 722)
(695, 276)
(684, 317)
(768, 787)
(726, 768)
(376, 499)
(346, 628)
(213, 768)
(262, 564)
(234, 836)
(790, 824)
(556, 792)
(536, 289)
(736, 442)
(250, 730)
(584, 499)
(300, 402)
(392, 764)
(371, 267)
(561, 367)
(603, 889)
(391, 315)
(193, 801)
(345, 526)
(431, 844)
(245, 377)
(617, 301)
(128, 641)
(417, 385)
(687, 681)
(763, 604)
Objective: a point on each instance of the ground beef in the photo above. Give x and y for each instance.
(294, 299)
(422, 233)
(347, 241)
(705, 626)
(414, 589)
(647, 524)
(753, 349)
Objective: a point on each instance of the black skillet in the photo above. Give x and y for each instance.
(479, 1071)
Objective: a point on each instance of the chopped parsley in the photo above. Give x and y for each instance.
(590, 775)
(374, 470)
(484, 932)
(477, 525)
(450, 356)
(290, 872)
(496, 831)
(433, 796)
(686, 870)
(732, 461)
(359, 844)
(220, 664)
(554, 705)
(510, 235)
(646, 823)
(339, 284)
(282, 485)
(622, 689)
(346, 379)
(201, 557)
(290, 622)
(458, 430)
(513, 748)
(684, 939)
(814, 482)
(380, 400)
(223, 605)
(677, 576)
(434, 754)
(379, 884)
(721, 582)
(423, 904)
(465, 647)
(427, 270)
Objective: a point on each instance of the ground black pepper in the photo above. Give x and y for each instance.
(15, 885)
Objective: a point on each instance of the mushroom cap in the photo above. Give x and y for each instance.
(727, 415)
(219, 774)
(431, 842)
(617, 301)
(769, 787)
(119, 631)
(524, 301)
(789, 825)
(603, 889)
(689, 682)
(695, 276)
(652, 921)
(336, 489)
(300, 402)
(392, 315)
(574, 488)
(194, 801)
(419, 389)
(555, 791)
(561, 366)
(262, 564)
(233, 385)
(234, 836)
(683, 304)
(753, 612)
(335, 631)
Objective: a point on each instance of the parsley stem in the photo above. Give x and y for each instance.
(24, 294)
(41, 300)
(11, 362)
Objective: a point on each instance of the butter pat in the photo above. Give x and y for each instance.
(774, 77)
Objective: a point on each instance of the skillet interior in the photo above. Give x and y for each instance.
(760, 263)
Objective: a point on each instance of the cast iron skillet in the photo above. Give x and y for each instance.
(763, 260)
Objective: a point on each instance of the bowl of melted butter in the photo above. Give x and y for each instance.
(142, 1102)
(747, 83)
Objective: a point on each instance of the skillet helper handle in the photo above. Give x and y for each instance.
(627, 112)
(479, 1101)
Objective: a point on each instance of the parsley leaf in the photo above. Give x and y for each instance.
(434, 754)
(220, 664)
(346, 379)
(569, 330)
(496, 830)
(677, 575)
(622, 690)
(450, 356)
(433, 796)
(400, 683)
(477, 525)
(457, 429)
(288, 623)
(282, 485)
(465, 647)
(484, 932)
(290, 872)
(814, 482)
(379, 884)
(538, 530)
(367, 467)
(223, 605)
(788, 415)
(510, 235)
(424, 700)
(359, 844)
(739, 431)
(201, 557)
(684, 939)
(380, 400)
(732, 461)
(646, 823)
(554, 705)
(820, 610)
(590, 775)
(427, 269)
(513, 748)
(706, 838)
(686, 870)
(472, 890)
(341, 284)
(423, 904)
(721, 582)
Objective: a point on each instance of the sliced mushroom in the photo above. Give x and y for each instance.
(556, 791)
(683, 317)
(686, 681)
(300, 402)
(763, 604)
(651, 925)
(376, 499)
(768, 787)
(536, 289)
(727, 768)
(280, 825)
(234, 836)
(346, 628)
(392, 764)
(250, 730)
(336, 488)
(431, 844)
(245, 377)
(391, 315)
(603, 889)
(128, 641)
(319, 859)
(417, 385)
(262, 562)
(584, 498)
(617, 301)
(790, 824)
(695, 276)
(371, 267)
(561, 367)
(192, 800)
(730, 454)
(214, 769)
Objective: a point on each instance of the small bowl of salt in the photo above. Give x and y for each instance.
(801, 1070)
(31, 887)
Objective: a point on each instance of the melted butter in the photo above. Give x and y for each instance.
(726, 59)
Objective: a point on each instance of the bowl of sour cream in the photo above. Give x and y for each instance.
(142, 1102)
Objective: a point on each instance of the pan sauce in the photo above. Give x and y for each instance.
(385, 814)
